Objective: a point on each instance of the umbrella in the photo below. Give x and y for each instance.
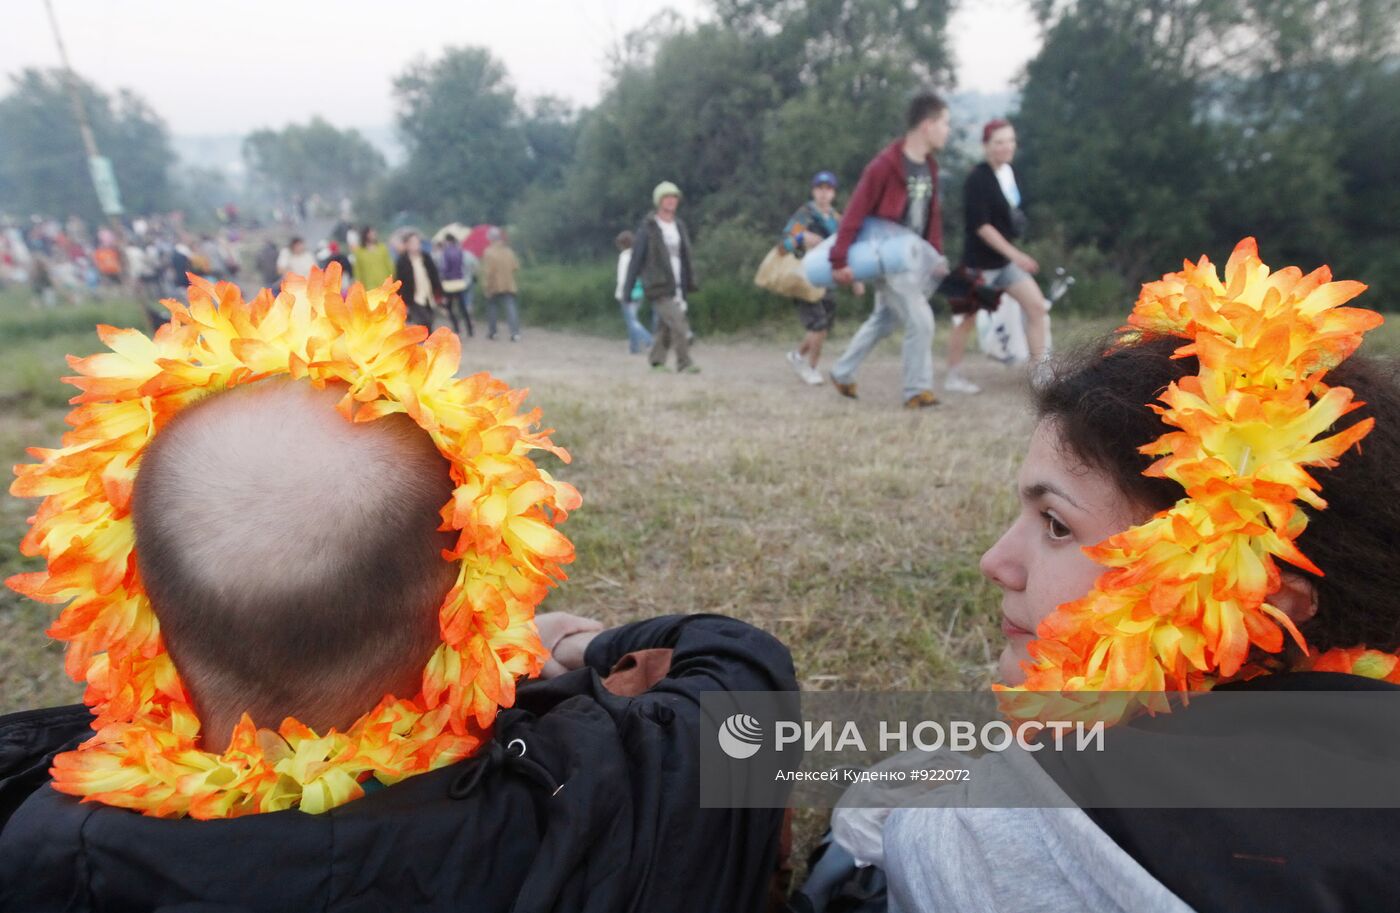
(456, 229)
(476, 241)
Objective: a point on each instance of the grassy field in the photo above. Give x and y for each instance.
(851, 530)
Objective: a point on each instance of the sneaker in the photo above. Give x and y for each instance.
(848, 390)
(812, 376)
(797, 363)
(658, 369)
(515, 337)
(690, 369)
(922, 401)
(956, 383)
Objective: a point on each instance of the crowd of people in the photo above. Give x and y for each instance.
(65, 261)
(151, 257)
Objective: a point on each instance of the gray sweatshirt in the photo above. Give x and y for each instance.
(1011, 860)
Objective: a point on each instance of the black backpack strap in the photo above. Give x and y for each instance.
(28, 742)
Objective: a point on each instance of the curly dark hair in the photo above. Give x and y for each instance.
(1098, 400)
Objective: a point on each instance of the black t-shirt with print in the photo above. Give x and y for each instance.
(918, 183)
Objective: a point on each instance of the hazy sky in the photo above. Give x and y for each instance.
(219, 66)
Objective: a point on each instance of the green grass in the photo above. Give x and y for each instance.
(33, 344)
(33, 400)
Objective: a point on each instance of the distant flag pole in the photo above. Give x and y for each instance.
(104, 179)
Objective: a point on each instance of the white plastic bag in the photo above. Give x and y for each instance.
(1001, 334)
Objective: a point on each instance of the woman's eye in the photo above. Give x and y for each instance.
(1055, 529)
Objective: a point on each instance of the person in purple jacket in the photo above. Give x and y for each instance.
(454, 284)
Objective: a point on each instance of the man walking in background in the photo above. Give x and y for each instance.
(498, 269)
(661, 259)
(901, 185)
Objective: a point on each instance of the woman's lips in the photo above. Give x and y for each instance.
(1011, 629)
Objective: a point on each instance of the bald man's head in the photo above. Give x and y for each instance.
(292, 557)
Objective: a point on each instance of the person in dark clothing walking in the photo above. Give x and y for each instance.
(420, 287)
(994, 220)
(661, 259)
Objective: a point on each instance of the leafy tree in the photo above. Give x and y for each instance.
(312, 158)
(1114, 148)
(551, 138)
(468, 152)
(43, 165)
(1196, 122)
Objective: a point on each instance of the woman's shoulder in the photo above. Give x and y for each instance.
(981, 173)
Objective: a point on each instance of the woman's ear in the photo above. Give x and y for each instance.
(1296, 597)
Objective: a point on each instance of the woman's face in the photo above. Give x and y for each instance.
(1001, 146)
(1039, 561)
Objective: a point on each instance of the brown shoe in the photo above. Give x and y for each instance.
(848, 390)
(922, 401)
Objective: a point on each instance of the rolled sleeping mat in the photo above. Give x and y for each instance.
(881, 248)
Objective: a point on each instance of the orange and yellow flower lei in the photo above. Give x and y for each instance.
(145, 754)
(1185, 600)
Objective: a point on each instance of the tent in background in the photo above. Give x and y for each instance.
(456, 229)
(476, 241)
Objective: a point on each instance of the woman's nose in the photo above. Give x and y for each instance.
(1002, 565)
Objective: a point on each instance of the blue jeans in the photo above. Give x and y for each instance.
(638, 338)
(493, 306)
(899, 301)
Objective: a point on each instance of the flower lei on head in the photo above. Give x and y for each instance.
(1185, 600)
(145, 754)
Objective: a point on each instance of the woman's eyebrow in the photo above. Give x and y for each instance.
(1040, 489)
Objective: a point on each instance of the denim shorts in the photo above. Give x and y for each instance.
(1004, 277)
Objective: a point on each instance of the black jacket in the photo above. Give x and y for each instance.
(984, 203)
(1284, 860)
(583, 801)
(651, 262)
(403, 271)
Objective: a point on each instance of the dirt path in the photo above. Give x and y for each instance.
(544, 359)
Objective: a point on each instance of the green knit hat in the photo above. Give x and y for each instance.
(664, 189)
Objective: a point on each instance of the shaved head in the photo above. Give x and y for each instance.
(292, 557)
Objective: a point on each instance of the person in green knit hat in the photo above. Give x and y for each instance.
(661, 260)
